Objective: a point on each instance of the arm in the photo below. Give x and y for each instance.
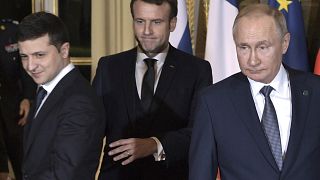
(78, 140)
(202, 155)
(176, 143)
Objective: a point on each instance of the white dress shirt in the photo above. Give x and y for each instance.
(281, 99)
(49, 86)
(141, 68)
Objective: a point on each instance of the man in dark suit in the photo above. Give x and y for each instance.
(16, 91)
(262, 123)
(147, 131)
(63, 137)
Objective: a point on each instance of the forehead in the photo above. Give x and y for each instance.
(145, 10)
(261, 27)
(34, 45)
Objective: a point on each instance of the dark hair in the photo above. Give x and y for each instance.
(39, 24)
(173, 6)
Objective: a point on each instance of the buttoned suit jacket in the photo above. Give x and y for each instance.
(64, 140)
(181, 78)
(227, 133)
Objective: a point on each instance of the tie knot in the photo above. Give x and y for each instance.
(150, 62)
(41, 92)
(266, 90)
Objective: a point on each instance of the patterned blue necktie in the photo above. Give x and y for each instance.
(271, 127)
(147, 89)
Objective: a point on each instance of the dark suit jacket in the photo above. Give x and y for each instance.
(227, 133)
(64, 141)
(181, 78)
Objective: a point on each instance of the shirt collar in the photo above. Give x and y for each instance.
(279, 83)
(49, 86)
(160, 57)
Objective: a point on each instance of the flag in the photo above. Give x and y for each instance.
(296, 56)
(180, 37)
(317, 65)
(220, 48)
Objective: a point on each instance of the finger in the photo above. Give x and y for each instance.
(128, 161)
(118, 150)
(22, 122)
(120, 142)
(121, 156)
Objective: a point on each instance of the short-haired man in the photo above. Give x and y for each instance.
(63, 136)
(148, 94)
(262, 123)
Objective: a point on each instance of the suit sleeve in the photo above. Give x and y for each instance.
(202, 154)
(176, 143)
(78, 140)
(97, 80)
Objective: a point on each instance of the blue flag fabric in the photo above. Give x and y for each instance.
(180, 37)
(185, 42)
(296, 56)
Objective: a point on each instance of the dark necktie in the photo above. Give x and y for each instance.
(271, 127)
(41, 93)
(148, 84)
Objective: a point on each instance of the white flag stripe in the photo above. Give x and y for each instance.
(220, 48)
(182, 19)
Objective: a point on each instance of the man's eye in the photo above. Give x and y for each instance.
(157, 22)
(243, 47)
(40, 55)
(139, 21)
(23, 57)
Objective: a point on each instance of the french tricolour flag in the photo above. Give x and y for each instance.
(180, 37)
(220, 48)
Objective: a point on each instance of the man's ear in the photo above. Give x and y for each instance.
(173, 23)
(65, 49)
(285, 43)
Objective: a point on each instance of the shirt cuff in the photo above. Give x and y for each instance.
(160, 155)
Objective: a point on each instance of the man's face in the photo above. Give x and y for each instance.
(259, 47)
(41, 60)
(152, 26)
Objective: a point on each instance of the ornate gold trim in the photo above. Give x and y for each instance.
(81, 60)
(45, 5)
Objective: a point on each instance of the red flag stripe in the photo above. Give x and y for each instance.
(317, 65)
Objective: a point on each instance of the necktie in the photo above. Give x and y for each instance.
(41, 93)
(148, 84)
(270, 126)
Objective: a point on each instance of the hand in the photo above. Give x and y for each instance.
(24, 111)
(131, 149)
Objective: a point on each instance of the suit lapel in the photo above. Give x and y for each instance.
(167, 75)
(243, 101)
(129, 83)
(50, 103)
(300, 95)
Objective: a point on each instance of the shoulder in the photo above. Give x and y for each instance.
(224, 87)
(187, 60)
(297, 76)
(119, 57)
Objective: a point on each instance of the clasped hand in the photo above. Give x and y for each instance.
(128, 150)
